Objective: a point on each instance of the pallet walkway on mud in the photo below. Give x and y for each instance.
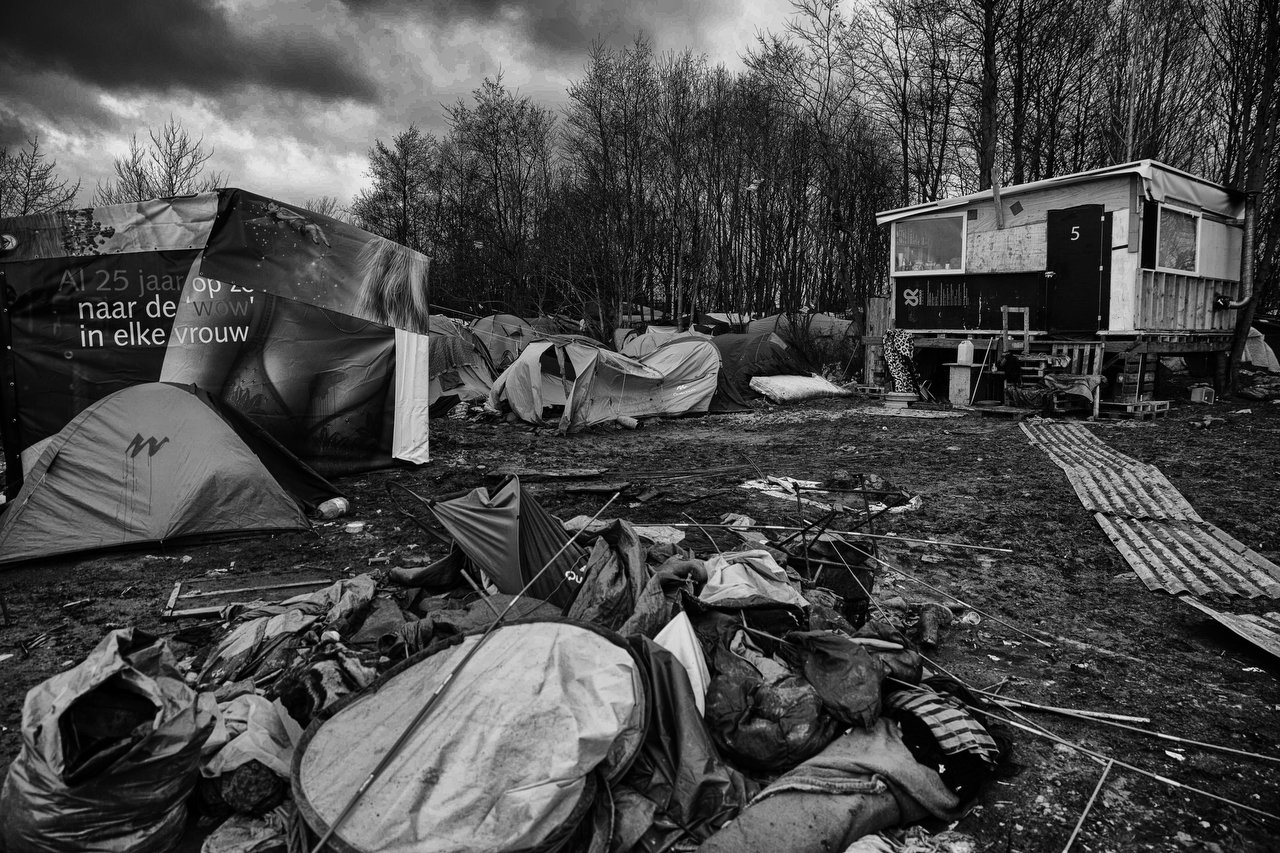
(1157, 531)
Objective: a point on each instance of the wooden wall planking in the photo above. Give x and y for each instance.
(1172, 302)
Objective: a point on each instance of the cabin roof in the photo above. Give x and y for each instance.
(1159, 182)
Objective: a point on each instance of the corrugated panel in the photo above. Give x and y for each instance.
(1263, 631)
(1151, 524)
(1180, 557)
(1141, 491)
(1074, 445)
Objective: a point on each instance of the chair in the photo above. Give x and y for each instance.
(1074, 364)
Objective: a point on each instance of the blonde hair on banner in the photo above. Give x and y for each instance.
(393, 284)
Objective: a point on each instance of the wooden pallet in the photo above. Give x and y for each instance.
(1145, 410)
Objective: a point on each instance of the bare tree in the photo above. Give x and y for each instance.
(30, 183)
(405, 191)
(172, 164)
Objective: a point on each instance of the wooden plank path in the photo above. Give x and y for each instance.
(1157, 530)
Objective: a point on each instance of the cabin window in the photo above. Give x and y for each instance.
(929, 245)
(1178, 241)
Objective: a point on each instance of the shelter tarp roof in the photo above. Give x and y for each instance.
(596, 385)
(743, 357)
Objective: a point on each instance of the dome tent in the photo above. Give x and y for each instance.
(152, 463)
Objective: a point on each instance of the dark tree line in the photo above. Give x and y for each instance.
(676, 184)
(679, 185)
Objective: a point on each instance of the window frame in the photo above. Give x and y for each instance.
(964, 244)
(1197, 216)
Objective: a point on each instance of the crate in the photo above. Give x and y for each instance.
(1144, 410)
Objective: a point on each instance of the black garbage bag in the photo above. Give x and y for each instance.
(678, 789)
(110, 753)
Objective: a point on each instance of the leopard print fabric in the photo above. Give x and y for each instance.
(899, 349)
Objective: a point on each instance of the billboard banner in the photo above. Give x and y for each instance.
(286, 315)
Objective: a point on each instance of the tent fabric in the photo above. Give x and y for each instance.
(150, 463)
(510, 537)
(501, 338)
(806, 325)
(459, 370)
(541, 712)
(743, 357)
(598, 386)
(637, 344)
(1259, 353)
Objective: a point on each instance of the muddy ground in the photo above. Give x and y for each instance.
(1135, 652)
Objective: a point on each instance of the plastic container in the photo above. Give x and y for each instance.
(964, 352)
(1202, 394)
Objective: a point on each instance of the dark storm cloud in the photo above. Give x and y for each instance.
(14, 132)
(177, 44)
(570, 26)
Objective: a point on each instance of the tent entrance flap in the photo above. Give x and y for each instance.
(508, 535)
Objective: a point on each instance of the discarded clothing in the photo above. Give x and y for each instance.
(660, 599)
(110, 750)
(843, 673)
(941, 733)
(768, 727)
(862, 783)
(331, 672)
(743, 579)
(251, 728)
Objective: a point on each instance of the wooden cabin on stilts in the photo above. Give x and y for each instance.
(1099, 272)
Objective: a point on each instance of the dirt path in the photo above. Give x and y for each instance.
(1135, 652)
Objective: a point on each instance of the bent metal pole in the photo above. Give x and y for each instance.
(419, 717)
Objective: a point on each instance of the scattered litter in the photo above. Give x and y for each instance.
(1176, 755)
(4, 657)
(353, 527)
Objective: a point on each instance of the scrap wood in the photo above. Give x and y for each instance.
(888, 537)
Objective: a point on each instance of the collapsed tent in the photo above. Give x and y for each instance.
(458, 372)
(744, 357)
(285, 314)
(546, 714)
(501, 338)
(152, 463)
(594, 385)
(1259, 353)
(511, 538)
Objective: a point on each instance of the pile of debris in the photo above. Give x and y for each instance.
(581, 686)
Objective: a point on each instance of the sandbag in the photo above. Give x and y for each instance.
(110, 752)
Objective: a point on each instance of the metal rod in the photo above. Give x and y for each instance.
(1092, 716)
(886, 537)
(704, 533)
(1089, 805)
(419, 717)
(1156, 776)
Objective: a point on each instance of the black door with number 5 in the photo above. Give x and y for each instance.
(1078, 268)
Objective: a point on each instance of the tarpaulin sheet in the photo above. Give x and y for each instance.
(510, 537)
(743, 357)
(283, 313)
(598, 386)
(538, 710)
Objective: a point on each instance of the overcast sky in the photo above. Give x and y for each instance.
(290, 94)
